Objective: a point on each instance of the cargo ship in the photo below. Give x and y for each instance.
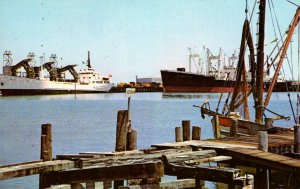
(216, 78)
(34, 82)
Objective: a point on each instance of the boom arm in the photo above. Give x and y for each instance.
(284, 50)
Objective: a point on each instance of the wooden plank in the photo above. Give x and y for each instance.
(207, 160)
(264, 160)
(180, 184)
(179, 157)
(124, 153)
(141, 170)
(34, 168)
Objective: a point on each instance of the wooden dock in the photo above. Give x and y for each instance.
(224, 160)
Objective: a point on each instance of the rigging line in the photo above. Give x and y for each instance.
(281, 34)
(292, 108)
(293, 3)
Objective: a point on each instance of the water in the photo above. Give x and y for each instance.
(87, 122)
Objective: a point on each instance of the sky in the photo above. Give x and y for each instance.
(128, 38)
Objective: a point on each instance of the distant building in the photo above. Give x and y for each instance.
(148, 80)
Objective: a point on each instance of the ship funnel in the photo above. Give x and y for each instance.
(89, 61)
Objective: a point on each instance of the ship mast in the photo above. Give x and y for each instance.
(260, 64)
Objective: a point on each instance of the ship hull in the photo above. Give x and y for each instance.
(15, 86)
(176, 81)
(186, 82)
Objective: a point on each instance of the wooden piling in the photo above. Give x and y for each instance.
(196, 133)
(234, 128)
(131, 140)
(178, 134)
(121, 131)
(46, 151)
(268, 122)
(186, 130)
(217, 131)
(46, 142)
(262, 174)
(297, 138)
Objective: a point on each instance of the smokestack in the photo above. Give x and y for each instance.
(89, 61)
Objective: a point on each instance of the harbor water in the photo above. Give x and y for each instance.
(87, 122)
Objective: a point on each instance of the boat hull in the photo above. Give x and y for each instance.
(15, 86)
(186, 82)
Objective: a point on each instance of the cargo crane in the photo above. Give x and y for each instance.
(30, 73)
(52, 70)
(69, 68)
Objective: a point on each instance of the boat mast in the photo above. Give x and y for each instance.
(260, 64)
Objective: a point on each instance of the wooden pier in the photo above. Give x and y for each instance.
(234, 161)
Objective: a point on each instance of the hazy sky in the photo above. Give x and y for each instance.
(127, 37)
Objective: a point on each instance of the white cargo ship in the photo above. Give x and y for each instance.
(33, 82)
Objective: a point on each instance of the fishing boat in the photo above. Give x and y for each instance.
(34, 82)
(229, 122)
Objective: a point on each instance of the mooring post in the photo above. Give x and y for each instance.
(46, 142)
(234, 128)
(297, 138)
(196, 133)
(268, 122)
(121, 131)
(46, 152)
(217, 127)
(178, 134)
(262, 173)
(186, 130)
(131, 140)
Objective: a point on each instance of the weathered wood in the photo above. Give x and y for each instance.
(268, 122)
(90, 185)
(131, 140)
(178, 134)
(297, 138)
(125, 171)
(118, 184)
(208, 160)
(263, 140)
(196, 133)
(179, 184)
(179, 157)
(234, 129)
(76, 186)
(263, 159)
(107, 184)
(217, 129)
(121, 131)
(46, 142)
(27, 169)
(186, 130)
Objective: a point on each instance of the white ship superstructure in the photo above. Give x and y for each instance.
(35, 83)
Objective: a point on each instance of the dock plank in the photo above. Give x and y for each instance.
(31, 168)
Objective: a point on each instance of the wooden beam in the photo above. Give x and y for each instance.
(207, 160)
(26, 169)
(182, 183)
(187, 156)
(125, 171)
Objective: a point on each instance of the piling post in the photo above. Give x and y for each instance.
(121, 131)
(46, 142)
(262, 173)
(131, 140)
(46, 152)
(297, 138)
(196, 133)
(178, 134)
(217, 131)
(268, 122)
(186, 130)
(234, 128)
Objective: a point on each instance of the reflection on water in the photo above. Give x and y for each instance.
(207, 96)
